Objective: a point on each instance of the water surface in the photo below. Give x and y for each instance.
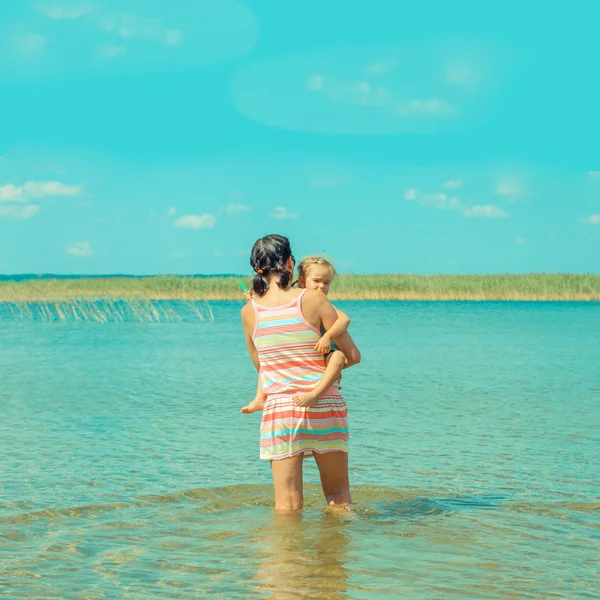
(128, 471)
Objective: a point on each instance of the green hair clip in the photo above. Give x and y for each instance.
(244, 289)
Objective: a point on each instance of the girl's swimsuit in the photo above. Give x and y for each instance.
(289, 365)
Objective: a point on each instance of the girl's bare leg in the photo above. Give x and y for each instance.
(333, 469)
(335, 364)
(287, 481)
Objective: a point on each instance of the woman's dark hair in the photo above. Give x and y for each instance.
(270, 255)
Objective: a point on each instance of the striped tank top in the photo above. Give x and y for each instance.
(285, 341)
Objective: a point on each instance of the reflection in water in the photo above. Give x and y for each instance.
(302, 557)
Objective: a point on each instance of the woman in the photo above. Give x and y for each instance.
(281, 329)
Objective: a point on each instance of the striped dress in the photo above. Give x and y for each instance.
(289, 365)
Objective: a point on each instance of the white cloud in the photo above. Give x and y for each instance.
(364, 93)
(453, 184)
(592, 219)
(439, 201)
(11, 193)
(411, 194)
(62, 11)
(29, 211)
(280, 212)
(316, 83)
(111, 51)
(487, 210)
(238, 208)
(359, 93)
(432, 107)
(459, 75)
(219, 30)
(171, 212)
(443, 201)
(520, 241)
(506, 189)
(130, 26)
(15, 211)
(376, 82)
(33, 42)
(594, 173)
(205, 221)
(37, 189)
(120, 25)
(80, 249)
(380, 68)
(173, 37)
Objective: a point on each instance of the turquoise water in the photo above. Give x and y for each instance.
(128, 471)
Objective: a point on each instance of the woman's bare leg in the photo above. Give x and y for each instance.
(287, 481)
(333, 469)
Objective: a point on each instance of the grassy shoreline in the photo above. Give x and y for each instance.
(528, 287)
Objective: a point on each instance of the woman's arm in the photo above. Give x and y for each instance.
(248, 318)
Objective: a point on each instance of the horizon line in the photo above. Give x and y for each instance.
(25, 276)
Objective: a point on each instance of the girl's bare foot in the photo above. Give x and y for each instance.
(254, 406)
(305, 400)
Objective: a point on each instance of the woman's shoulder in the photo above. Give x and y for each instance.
(247, 311)
(314, 300)
(314, 296)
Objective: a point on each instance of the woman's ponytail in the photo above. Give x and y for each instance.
(259, 285)
(285, 277)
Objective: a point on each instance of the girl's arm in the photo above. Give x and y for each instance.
(340, 326)
(328, 315)
(337, 329)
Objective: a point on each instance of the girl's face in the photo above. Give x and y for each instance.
(318, 277)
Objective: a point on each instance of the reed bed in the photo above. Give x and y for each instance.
(528, 287)
(140, 290)
(102, 310)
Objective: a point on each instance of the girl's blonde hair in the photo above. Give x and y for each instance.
(311, 261)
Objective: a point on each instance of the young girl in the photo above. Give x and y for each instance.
(314, 273)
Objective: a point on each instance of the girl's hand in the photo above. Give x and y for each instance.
(323, 345)
(248, 296)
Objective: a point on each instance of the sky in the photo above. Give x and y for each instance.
(144, 136)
